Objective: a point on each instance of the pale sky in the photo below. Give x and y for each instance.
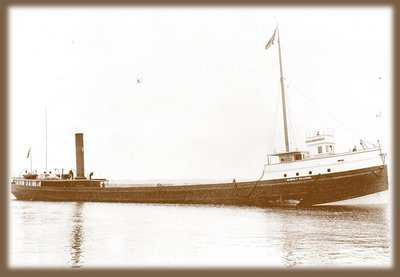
(208, 92)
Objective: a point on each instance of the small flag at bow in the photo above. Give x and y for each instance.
(29, 152)
(271, 40)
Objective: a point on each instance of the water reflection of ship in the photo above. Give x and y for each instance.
(290, 239)
(77, 238)
(325, 233)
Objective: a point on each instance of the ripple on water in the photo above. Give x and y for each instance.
(67, 234)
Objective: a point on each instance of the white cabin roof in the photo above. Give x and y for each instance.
(289, 153)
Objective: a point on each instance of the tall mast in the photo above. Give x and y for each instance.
(283, 97)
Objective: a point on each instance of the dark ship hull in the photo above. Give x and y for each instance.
(300, 191)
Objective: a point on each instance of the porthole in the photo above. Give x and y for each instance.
(329, 170)
(284, 175)
(297, 174)
(310, 172)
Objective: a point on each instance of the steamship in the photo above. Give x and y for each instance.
(316, 175)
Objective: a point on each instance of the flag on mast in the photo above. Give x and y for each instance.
(29, 152)
(271, 40)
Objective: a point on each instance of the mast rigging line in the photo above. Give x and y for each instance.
(322, 109)
(292, 124)
(271, 137)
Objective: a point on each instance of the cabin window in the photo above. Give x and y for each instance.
(329, 170)
(284, 175)
(286, 159)
(297, 174)
(310, 172)
(319, 149)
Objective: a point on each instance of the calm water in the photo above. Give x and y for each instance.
(44, 234)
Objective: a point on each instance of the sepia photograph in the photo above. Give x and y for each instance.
(161, 137)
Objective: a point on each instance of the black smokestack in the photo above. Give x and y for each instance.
(80, 162)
